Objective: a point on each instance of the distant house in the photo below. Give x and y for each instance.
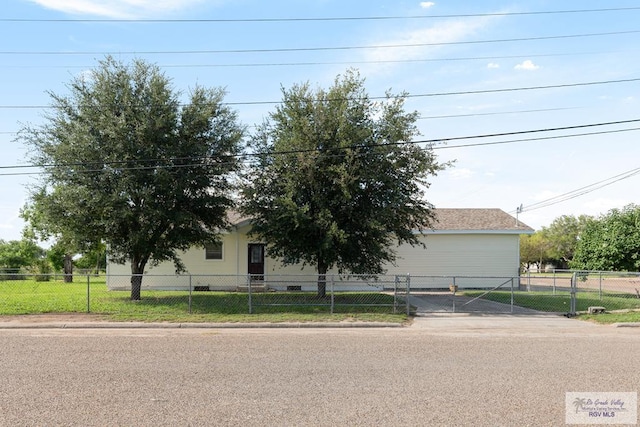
(463, 243)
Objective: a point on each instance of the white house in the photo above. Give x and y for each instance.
(471, 245)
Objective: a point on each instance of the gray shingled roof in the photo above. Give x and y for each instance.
(454, 220)
(477, 220)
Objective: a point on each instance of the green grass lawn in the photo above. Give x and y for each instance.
(31, 297)
(561, 302)
(607, 318)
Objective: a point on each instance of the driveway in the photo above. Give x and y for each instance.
(437, 315)
(446, 302)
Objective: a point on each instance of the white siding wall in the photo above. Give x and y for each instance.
(495, 255)
(234, 251)
(448, 255)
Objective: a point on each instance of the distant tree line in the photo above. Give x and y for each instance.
(25, 256)
(610, 242)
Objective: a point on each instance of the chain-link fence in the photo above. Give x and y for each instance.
(465, 294)
(202, 294)
(598, 291)
(563, 292)
(585, 291)
(559, 292)
(24, 293)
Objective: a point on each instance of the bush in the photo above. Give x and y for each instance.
(43, 271)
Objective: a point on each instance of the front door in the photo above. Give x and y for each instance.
(256, 261)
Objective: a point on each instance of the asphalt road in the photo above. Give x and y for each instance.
(443, 371)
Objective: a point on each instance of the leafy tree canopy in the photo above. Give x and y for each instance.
(562, 236)
(610, 242)
(337, 181)
(95, 259)
(128, 164)
(16, 254)
(534, 249)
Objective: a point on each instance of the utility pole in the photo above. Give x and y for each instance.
(518, 212)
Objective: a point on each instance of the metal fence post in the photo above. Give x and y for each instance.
(249, 290)
(600, 293)
(408, 294)
(572, 309)
(88, 294)
(190, 294)
(332, 292)
(454, 294)
(512, 294)
(395, 293)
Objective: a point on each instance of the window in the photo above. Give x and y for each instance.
(213, 251)
(256, 254)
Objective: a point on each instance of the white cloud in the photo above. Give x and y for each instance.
(527, 65)
(425, 40)
(602, 205)
(492, 65)
(462, 173)
(427, 4)
(117, 8)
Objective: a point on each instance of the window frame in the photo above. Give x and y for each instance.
(208, 251)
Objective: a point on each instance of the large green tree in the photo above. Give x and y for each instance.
(337, 180)
(16, 254)
(563, 235)
(610, 242)
(534, 249)
(126, 164)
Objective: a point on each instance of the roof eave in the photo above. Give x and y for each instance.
(517, 232)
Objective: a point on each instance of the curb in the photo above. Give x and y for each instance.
(113, 325)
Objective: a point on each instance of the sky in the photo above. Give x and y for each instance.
(471, 69)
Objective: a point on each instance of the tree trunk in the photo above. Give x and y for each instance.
(137, 269)
(68, 268)
(322, 279)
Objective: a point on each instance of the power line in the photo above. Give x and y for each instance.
(423, 95)
(580, 191)
(496, 113)
(429, 141)
(303, 19)
(522, 132)
(355, 62)
(475, 92)
(317, 48)
(543, 138)
(446, 116)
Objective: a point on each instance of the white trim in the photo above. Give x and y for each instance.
(474, 232)
(237, 254)
(214, 259)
